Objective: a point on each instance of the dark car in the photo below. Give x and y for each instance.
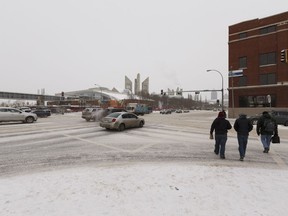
(42, 112)
(281, 117)
(165, 111)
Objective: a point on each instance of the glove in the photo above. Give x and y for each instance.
(211, 136)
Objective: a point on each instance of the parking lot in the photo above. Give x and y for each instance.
(69, 141)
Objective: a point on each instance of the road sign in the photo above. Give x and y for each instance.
(269, 98)
(235, 73)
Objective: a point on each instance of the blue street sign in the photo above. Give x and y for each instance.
(236, 73)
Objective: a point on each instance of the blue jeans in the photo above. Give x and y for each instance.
(220, 143)
(266, 139)
(242, 142)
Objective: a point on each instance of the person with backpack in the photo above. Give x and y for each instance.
(242, 126)
(221, 127)
(266, 128)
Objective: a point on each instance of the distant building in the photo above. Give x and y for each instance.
(137, 87)
(214, 95)
(145, 86)
(128, 83)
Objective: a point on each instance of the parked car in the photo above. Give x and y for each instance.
(281, 117)
(42, 112)
(8, 114)
(121, 120)
(178, 111)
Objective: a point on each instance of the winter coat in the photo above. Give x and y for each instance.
(260, 125)
(243, 125)
(221, 126)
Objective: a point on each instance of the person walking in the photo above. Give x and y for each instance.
(221, 127)
(242, 126)
(266, 128)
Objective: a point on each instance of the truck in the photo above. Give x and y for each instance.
(137, 108)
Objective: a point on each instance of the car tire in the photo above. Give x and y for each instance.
(29, 119)
(121, 127)
(87, 119)
(141, 124)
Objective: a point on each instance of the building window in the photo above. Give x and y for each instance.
(256, 101)
(268, 29)
(242, 81)
(243, 62)
(267, 79)
(268, 58)
(242, 35)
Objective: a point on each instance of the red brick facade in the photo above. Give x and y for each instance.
(255, 47)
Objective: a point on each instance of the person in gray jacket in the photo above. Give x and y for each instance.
(243, 126)
(266, 128)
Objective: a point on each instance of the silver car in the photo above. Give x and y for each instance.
(121, 120)
(8, 114)
(92, 113)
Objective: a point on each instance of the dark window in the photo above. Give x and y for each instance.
(268, 58)
(266, 79)
(242, 35)
(256, 101)
(242, 81)
(243, 62)
(268, 29)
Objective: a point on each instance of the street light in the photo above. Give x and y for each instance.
(222, 89)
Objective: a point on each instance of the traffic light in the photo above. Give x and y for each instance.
(161, 91)
(284, 55)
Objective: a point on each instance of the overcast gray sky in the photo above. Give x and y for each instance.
(67, 45)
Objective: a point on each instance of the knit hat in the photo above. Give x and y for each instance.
(221, 115)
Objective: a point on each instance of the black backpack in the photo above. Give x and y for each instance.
(269, 125)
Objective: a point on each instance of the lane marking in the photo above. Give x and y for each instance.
(92, 142)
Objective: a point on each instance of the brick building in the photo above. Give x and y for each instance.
(254, 49)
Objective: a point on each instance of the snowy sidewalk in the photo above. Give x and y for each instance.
(146, 189)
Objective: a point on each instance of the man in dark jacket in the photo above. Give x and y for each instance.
(265, 130)
(221, 127)
(243, 126)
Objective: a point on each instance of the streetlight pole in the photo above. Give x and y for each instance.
(222, 89)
